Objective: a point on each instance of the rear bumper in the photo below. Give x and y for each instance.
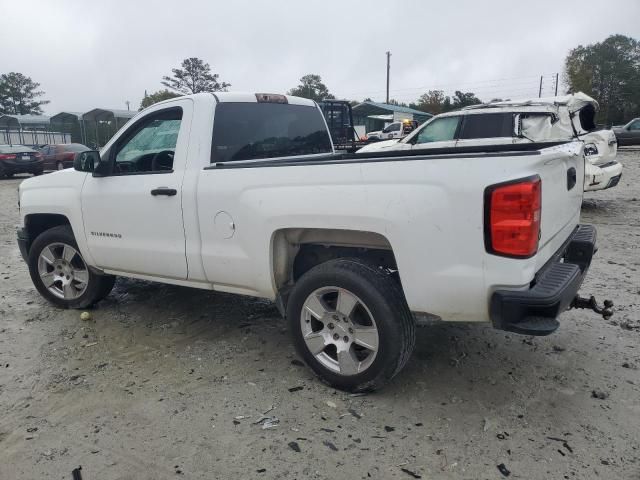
(534, 311)
(23, 243)
(11, 167)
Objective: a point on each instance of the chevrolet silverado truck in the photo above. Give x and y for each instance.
(244, 193)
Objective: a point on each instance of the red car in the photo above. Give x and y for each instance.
(59, 157)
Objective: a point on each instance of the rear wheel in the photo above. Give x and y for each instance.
(61, 275)
(351, 324)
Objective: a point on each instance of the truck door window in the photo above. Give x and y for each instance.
(150, 145)
(438, 130)
(635, 125)
(489, 125)
(394, 127)
(246, 131)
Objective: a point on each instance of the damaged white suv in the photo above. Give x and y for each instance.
(535, 120)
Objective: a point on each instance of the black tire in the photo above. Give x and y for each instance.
(97, 287)
(382, 295)
(37, 173)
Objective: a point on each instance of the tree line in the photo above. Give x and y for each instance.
(609, 71)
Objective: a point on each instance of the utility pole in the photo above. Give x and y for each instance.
(388, 68)
(127, 102)
(540, 89)
(557, 84)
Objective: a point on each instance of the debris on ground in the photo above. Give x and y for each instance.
(297, 363)
(411, 473)
(85, 316)
(295, 389)
(387, 428)
(330, 445)
(504, 470)
(272, 407)
(599, 394)
(565, 444)
(354, 413)
(294, 446)
(75, 473)
(331, 404)
(268, 422)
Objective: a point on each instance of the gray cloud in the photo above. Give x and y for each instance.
(88, 55)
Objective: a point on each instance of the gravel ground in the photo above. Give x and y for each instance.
(166, 382)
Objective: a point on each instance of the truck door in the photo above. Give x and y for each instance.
(133, 214)
(438, 133)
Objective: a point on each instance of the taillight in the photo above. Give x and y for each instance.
(7, 156)
(512, 217)
(69, 156)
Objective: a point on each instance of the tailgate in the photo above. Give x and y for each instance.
(561, 169)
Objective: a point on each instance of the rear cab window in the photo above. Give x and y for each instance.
(250, 131)
(487, 125)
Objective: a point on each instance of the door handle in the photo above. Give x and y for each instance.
(572, 178)
(169, 192)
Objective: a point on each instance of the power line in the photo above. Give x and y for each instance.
(523, 79)
(528, 86)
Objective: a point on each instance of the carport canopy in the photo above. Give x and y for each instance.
(105, 115)
(369, 109)
(24, 121)
(65, 118)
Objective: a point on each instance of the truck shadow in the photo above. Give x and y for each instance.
(451, 364)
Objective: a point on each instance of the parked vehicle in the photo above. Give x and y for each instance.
(61, 156)
(19, 159)
(395, 130)
(512, 122)
(628, 134)
(244, 193)
(339, 117)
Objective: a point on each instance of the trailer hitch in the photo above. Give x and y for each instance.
(591, 304)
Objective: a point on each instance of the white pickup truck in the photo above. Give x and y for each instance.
(244, 193)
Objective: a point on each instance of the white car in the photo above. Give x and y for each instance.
(244, 193)
(552, 119)
(395, 130)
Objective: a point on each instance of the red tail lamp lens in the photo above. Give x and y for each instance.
(513, 215)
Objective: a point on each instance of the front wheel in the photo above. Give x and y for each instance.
(351, 324)
(61, 275)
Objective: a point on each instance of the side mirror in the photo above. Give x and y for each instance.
(86, 161)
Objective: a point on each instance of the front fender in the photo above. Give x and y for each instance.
(57, 193)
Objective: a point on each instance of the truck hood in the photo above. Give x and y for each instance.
(379, 146)
(59, 179)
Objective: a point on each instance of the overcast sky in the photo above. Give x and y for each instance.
(88, 54)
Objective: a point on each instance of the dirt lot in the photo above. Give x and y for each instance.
(166, 382)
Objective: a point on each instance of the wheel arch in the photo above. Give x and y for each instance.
(295, 251)
(36, 223)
